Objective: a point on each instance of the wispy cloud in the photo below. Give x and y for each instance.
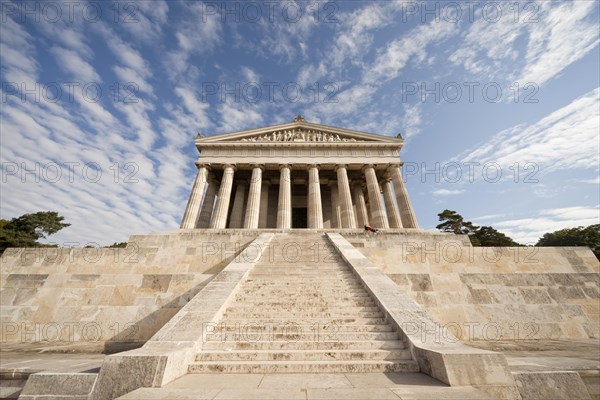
(565, 139)
(564, 34)
(556, 35)
(529, 230)
(447, 192)
(398, 53)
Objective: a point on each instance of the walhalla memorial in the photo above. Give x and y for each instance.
(273, 289)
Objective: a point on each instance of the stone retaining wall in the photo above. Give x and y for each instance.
(510, 293)
(92, 299)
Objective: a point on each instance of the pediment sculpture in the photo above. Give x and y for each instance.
(298, 135)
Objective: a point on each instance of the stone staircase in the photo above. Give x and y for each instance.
(302, 311)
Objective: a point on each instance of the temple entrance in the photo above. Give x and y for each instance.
(299, 218)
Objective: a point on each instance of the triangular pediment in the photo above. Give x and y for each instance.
(299, 131)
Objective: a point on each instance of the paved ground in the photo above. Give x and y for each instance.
(27, 363)
(307, 386)
(550, 355)
(547, 355)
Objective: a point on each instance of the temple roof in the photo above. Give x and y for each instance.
(299, 130)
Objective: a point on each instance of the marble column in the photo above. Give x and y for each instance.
(336, 216)
(407, 215)
(219, 219)
(263, 216)
(195, 200)
(315, 208)
(358, 196)
(208, 204)
(236, 219)
(391, 208)
(284, 207)
(253, 204)
(345, 198)
(378, 216)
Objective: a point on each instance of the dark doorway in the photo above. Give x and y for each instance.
(299, 218)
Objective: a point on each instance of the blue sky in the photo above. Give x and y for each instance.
(498, 102)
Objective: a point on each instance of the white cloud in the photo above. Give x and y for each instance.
(556, 35)
(411, 123)
(35, 133)
(487, 46)
(143, 19)
(196, 33)
(565, 139)
(529, 230)
(594, 181)
(356, 37)
(398, 53)
(283, 37)
(562, 36)
(72, 62)
(447, 192)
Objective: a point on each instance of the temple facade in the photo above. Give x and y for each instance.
(299, 175)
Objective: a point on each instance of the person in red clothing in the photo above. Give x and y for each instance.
(369, 228)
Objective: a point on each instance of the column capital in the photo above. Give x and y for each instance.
(338, 166)
(258, 165)
(364, 167)
(232, 166)
(315, 165)
(282, 166)
(199, 165)
(391, 167)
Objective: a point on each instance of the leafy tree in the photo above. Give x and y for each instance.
(490, 237)
(453, 222)
(118, 244)
(580, 236)
(26, 230)
(485, 236)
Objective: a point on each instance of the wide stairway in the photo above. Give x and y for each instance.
(302, 311)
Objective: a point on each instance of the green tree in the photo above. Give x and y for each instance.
(453, 222)
(580, 236)
(118, 244)
(26, 230)
(490, 237)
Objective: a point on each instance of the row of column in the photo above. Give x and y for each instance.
(349, 204)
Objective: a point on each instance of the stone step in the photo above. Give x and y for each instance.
(303, 271)
(308, 282)
(336, 276)
(295, 335)
(276, 367)
(340, 295)
(243, 294)
(227, 326)
(326, 279)
(302, 286)
(341, 310)
(303, 355)
(310, 302)
(303, 345)
(258, 314)
(322, 256)
(308, 321)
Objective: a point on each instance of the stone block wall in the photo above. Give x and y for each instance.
(96, 299)
(481, 293)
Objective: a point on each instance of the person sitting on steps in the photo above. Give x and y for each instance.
(369, 228)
